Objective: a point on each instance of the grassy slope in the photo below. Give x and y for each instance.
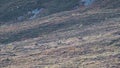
(73, 39)
(18, 32)
(89, 46)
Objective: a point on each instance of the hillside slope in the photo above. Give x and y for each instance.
(17, 10)
(86, 37)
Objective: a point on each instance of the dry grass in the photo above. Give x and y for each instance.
(86, 44)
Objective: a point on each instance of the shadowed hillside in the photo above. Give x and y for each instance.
(86, 36)
(107, 4)
(11, 10)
